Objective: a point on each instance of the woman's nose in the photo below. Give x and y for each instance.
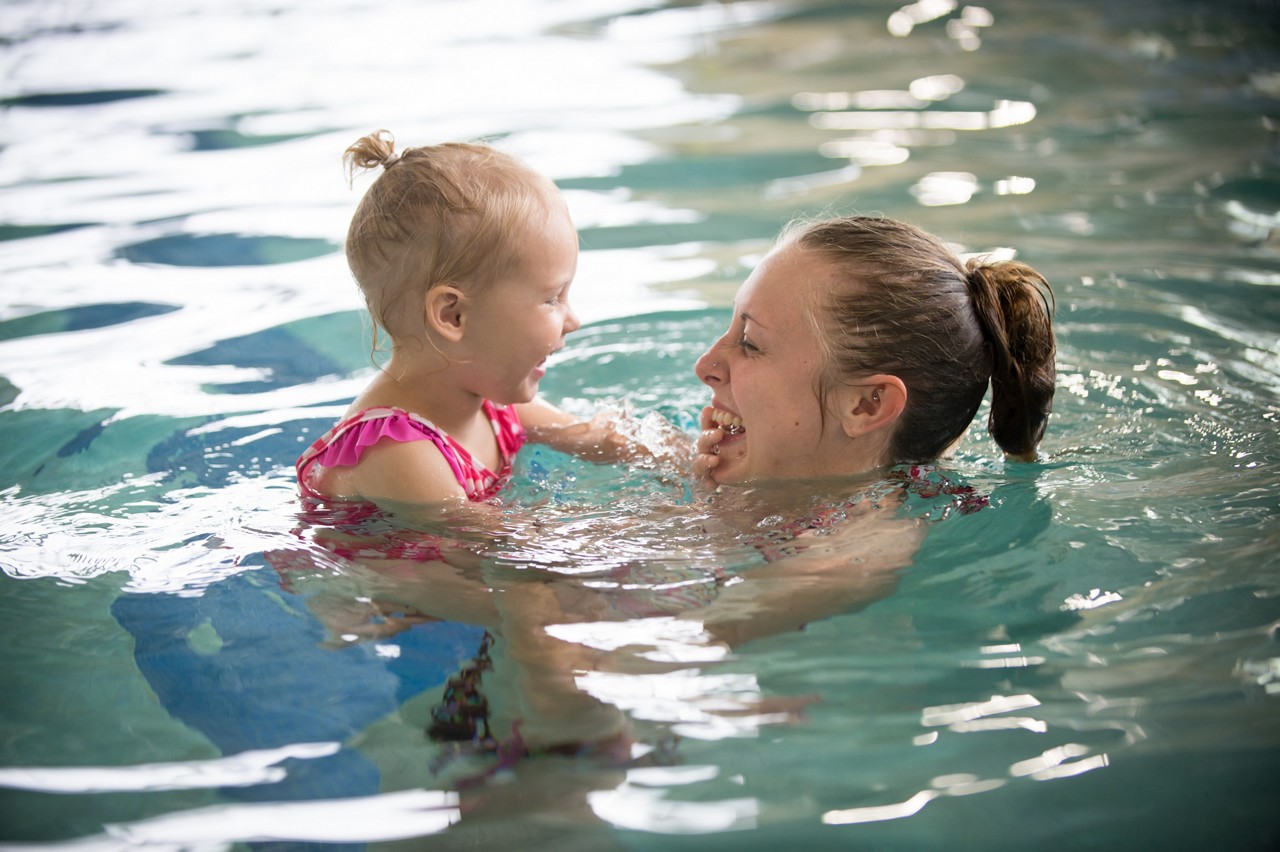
(708, 368)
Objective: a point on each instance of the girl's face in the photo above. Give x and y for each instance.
(764, 376)
(517, 322)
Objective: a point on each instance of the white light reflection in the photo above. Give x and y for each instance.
(1003, 114)
(392, 816)
(240, 770)
(949, 714)
(695, 705)
(1250, 224)
(1050, 765)
(940, 189)
(918, 94)
(1053, 764)
(1003, 663)
(1018, 660)
(245, 516)
(642, 809)
(937, 87)
(881, 813)
(906, 19)
(1264, 673)
(1014, 185)
(959, 784)
(865, 152)
(1093, 600)
(1002, 723)
(673, 639)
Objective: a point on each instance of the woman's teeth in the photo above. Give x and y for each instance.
(730, 423)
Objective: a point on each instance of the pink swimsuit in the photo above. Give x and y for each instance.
(345, 443)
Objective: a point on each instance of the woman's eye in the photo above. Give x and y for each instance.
(747, 346)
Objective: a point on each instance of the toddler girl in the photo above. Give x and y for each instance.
(465, 257)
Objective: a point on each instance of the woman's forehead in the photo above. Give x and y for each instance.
(783, 287)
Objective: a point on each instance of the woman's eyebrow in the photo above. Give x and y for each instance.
(746, 317)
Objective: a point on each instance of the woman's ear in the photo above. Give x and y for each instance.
(445, 312)
(872, 403)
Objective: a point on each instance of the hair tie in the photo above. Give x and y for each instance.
(975, 275)
(391, 159)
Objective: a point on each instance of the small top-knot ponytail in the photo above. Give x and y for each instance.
(452, 213)
(369, 152)
(1014, 305)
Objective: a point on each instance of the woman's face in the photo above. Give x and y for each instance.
(764, 377)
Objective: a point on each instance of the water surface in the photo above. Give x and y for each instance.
(1089, 662)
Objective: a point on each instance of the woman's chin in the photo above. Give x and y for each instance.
(730, 470)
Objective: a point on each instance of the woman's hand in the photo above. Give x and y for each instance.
(707, 450)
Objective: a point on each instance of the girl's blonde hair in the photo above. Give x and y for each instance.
(437, 214)
(907, 306)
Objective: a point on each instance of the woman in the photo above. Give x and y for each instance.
(863, 342)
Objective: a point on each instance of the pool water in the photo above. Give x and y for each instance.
(1090, 661)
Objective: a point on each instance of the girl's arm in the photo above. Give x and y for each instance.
(607, 437)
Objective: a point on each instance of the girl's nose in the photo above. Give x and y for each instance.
(571, 321)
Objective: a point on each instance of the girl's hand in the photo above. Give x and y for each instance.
(707, 450)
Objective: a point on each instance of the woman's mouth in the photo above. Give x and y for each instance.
(730, 423)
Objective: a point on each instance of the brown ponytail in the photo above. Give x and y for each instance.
(1014, 305)
(906, 306)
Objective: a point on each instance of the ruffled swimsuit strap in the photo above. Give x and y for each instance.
(345, 443)
(508, 429)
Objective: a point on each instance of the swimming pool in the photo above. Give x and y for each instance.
(1090, 662)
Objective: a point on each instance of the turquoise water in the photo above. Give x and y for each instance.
(1089, 662)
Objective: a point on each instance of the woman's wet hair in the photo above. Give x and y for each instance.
(437, 214)
(906, 305)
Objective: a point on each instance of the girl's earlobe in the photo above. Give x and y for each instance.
(445, 312)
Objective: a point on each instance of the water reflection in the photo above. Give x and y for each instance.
(238, 770)
(639, 807)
